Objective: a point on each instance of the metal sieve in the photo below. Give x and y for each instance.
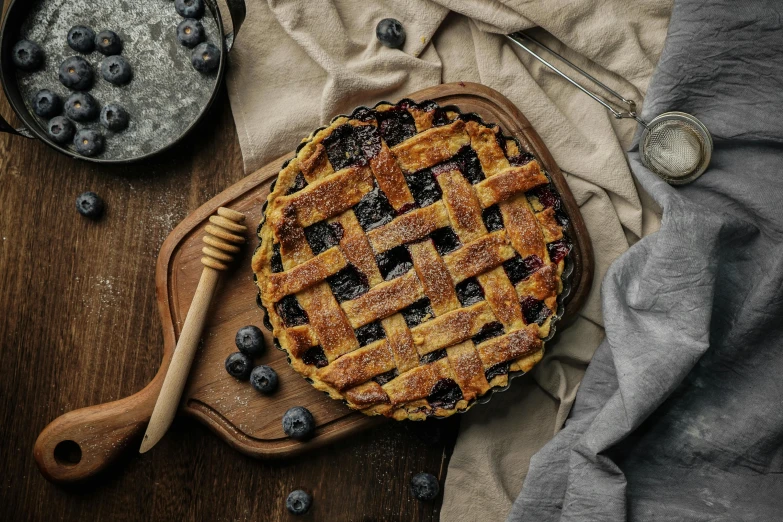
(675, 145)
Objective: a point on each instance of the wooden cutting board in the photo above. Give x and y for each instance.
(82, 442)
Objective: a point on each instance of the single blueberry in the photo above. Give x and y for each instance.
(298, 423)
(390, 33)
(250, 340)
(81, 106)
(239, 365)
(61, 129)
(424, 486)
(298, 502)
(263, 379)
(190, 8)
(116, 70)
(114, 118)
(47, 104)
(90, 205)
(190, 33)
(205, 58)
(76, 73)
(81, 39)
(88, 142)
(27, 56)
(108, 43)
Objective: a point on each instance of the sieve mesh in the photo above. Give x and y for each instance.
(673, 148)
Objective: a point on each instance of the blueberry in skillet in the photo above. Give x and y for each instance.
(263, 379)
(76, 73)
(390, 33)
(108, 43)
(61, 129)
(424, 486)
(250, 340)
(90, 205)
(239, 365)
(298, 423)
(205, 58)
(81, 39)
(116, 70)
(81, 106)
(47, 104)
(298, 502)
(190, 8)
(190, 33)
(88, 142)
(27, 56)
(114, 117)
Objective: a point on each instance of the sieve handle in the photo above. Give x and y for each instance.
(522, 40)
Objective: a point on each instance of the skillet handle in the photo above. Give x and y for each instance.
(238, 11)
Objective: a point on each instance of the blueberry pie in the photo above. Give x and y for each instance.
(410, 258)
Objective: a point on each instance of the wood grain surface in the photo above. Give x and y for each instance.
(79, 325)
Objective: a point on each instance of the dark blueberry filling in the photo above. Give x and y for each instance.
(370, 333)
(386, 377)
(348, 145)
(445, 394)
(299, 183)
(394, 263)
(440, 118)
(292, 313)
(493, 219)
(546, 196)
(363, 114)
(396, 125)
(315, 356)
(337, 231)
(488, 331)
(320, 237)
(276, 262)
(558, 250)
(424, 188)
(469, 292)
(521, 159)
(534, 311)
(470, 165)
(518, 269)
(369, 140)
(348, 284)
(445, 240)
(374, 210)
(432, 356)
(416, 313)
(499, 369)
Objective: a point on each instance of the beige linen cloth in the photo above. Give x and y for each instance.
(298, 63)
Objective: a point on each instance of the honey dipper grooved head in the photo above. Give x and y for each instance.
(224, 233)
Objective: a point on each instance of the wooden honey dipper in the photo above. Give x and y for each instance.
(224, 235)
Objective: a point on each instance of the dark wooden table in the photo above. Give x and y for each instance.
(79, 326)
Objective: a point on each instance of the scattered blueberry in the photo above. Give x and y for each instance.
(239, 365)
(190, 8)
(88, 142)
(190, 33)
(114, 118)
(81, 39)
(76, 73)
(81, 106)
(90, 205)
(61, 129)
(298, 502)
(116, 70)
(205, 58)
(263, 379)
(250, 340)
(298, 423)
(47, 104)
(391, 33)
(424, 486)
(27, 55)
(108, 43)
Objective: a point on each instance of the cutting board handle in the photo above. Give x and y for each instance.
(79, 444)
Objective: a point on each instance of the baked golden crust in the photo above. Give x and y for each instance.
(410, 258)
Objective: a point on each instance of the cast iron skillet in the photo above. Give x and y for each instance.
(19, 10)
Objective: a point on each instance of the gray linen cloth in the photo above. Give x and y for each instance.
(680, 413)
